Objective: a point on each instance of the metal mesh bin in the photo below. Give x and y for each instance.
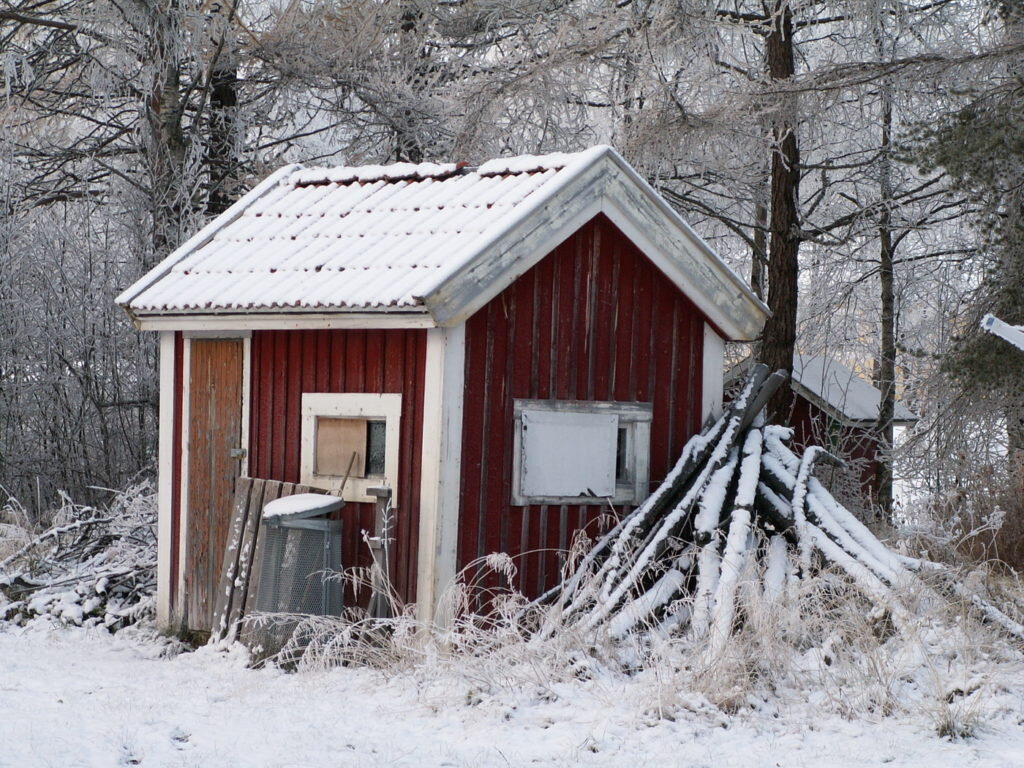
(301, 559)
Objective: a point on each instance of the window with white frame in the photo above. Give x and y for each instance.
(580, 452)
(350, 435)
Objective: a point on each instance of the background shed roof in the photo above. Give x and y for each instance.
(837, 387)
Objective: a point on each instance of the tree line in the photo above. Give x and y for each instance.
(859, 162)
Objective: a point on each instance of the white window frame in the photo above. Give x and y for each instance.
(635, 417)
(351, 405)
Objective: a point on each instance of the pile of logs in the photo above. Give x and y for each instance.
(738, 499)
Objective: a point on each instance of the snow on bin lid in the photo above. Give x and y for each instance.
(302, 505)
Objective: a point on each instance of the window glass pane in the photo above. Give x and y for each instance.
(622, 462)
(375, 436)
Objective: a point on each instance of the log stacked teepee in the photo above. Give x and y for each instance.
(738, 493)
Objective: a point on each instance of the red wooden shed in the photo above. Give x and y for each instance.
(511, 348)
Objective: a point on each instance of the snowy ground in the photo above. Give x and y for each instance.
(85, 698)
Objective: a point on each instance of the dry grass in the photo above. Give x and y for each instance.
(820, 641)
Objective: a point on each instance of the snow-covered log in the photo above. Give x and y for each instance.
(739, 501)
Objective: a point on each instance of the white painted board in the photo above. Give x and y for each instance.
(568, 454)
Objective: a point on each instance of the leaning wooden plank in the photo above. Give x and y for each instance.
(245, 558)
(272, 489)
(229, 570)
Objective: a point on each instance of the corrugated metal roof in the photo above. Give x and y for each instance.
(421, 243)
(344, 238)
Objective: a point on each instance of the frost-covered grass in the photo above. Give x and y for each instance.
(819, 658)
(814, 673)
(83, 697)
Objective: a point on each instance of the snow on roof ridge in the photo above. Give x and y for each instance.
(500, 166)
(370, 173)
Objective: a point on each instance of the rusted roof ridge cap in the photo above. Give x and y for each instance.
(311, 177)
(513, 166)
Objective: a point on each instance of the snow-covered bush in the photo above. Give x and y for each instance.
(93, 566)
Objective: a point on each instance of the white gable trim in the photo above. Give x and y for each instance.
(531, 231)
(603, 184)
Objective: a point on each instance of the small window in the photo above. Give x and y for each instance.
(623, 465)
(353, 447)
(353, 435)
(580, 452)
(376, 446)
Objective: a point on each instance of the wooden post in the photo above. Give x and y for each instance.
(380, 599)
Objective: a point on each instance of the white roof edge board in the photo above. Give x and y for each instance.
(456, 294)
(262, 320)
(1005, 331)
(201, 237)
(691, 234)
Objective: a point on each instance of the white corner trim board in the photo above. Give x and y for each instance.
(186, 410)
(441, 468)
(165, 479)
(713, 375)
(246, 402)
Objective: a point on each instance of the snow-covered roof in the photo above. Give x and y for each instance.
(840, 391)
(430, 241)
(1011, 333)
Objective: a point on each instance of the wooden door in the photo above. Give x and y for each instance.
(214, 437)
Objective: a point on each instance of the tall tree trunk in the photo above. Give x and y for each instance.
(166, 142)
(759, 252)
(779, 340)
(222, 148)
(886, 378)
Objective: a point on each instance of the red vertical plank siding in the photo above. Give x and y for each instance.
(622, 354)
(593, 320)
(287, 364)
(813, 426)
